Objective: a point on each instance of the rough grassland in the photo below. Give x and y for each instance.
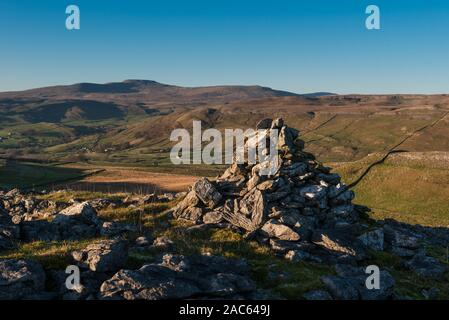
(289, 280)
(406, 190)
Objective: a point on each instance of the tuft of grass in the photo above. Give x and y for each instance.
(52, 255)
(67, 195)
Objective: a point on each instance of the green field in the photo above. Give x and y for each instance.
(22, 175)
(403, 190)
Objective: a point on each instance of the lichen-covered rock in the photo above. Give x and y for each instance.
(179, 277)
(254, 206)
(373, 239)
(184, 208)
(274, 229)
(207, 193)
(338, 242)
(77, 222)
(9, 231)
(426, 267)
(213, 217)
(20, 279)
(103, 255)
(356, 277)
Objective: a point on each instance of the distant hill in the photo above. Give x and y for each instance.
(117, 100)
(319, 94)
(150, 89)
(145, 91)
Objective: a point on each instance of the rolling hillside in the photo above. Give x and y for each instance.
(128, 125)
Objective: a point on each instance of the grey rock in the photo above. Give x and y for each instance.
(264, 124)
(103, 256)
(405, 241)
(373, 240)
(190, 200)
(338, 242)
(274, 229)
(331, 178)
(297, 255)
(115, 229)
(357, 276)
(287, 137)
(79, 221)
(89, 286)
(163, 243)
(313, 192)
(207, 193)
(213, 217)
(343, 211)
(403, 252)
(283, 246)
(179, 277)
(9, 231)
(193, 214)
(20, 278)
(254, 205)
(385, 291)
(431, 294)
(296, 169)
(426, 267)
(340, 288)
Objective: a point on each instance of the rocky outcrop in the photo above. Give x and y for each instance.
(9, 232)
(103, 256)
(179, 277)
(28, 208)
(76, 222)
(79, 221)
(350, 284)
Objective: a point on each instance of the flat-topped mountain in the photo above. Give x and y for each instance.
(151, 91)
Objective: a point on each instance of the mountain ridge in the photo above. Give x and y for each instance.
(139, 86)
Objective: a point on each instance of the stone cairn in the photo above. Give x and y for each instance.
(301, 205)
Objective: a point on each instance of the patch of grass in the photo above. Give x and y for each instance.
(411, 194)
(27, 175)
(66, 196)
(120, 214)
(54, 254)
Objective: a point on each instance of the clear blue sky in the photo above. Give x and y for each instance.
(300, 46)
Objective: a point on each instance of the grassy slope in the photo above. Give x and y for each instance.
(27, 175)
(406, 190)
